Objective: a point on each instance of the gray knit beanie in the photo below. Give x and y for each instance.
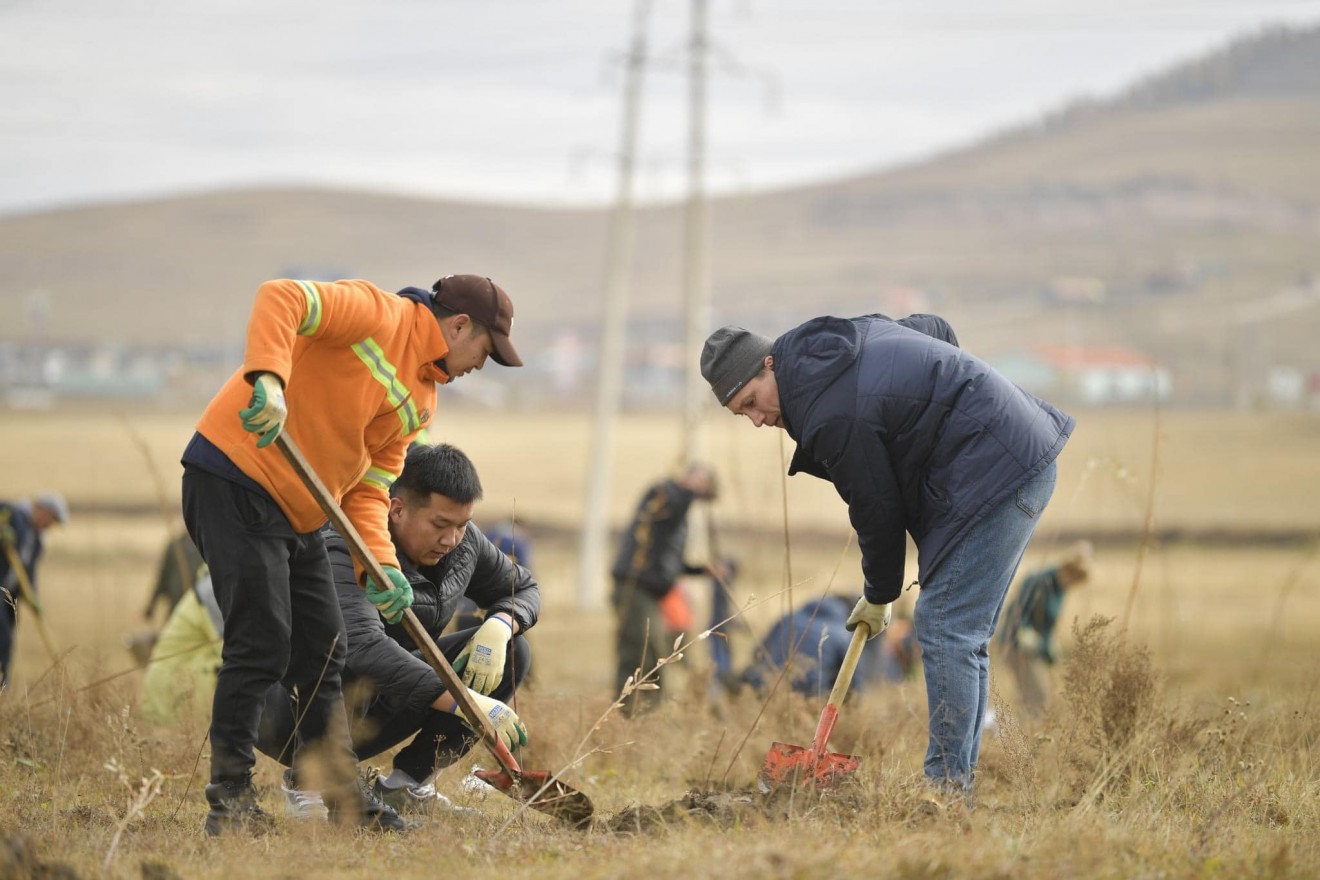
(731, 358)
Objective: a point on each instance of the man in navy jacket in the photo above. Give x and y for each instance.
(919, 438)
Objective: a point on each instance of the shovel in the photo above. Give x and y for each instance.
(786, 762)
(537, 789)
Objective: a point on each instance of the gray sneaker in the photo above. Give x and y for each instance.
(301, 803)
(417, 799)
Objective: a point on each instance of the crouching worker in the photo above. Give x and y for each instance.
(180, 672)
(445, 559)
(813, 641)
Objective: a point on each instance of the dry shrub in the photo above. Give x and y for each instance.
(1110, 686)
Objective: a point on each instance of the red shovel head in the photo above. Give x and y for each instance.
(787, 763)
(541, 791)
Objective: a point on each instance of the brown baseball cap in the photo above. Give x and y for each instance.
(485, 302)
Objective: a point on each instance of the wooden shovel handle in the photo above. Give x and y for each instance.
(411, 624)
(830, 714)
(850, 659)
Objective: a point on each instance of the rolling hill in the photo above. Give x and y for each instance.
(1180, 219)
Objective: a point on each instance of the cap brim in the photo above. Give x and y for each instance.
(504, 353)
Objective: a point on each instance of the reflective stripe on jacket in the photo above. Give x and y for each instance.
(358, 368)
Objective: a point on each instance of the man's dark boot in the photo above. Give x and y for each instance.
(357, 803)
(234, 807)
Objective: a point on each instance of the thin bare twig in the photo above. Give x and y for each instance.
(1148, 524)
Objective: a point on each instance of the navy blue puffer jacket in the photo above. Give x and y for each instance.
(915, 434)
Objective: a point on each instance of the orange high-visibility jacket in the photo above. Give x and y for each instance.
(359, 383)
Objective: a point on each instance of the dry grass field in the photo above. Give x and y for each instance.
(1182, 738)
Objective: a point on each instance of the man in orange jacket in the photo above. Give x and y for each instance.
(350, 371)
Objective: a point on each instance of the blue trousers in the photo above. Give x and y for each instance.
(956, 614)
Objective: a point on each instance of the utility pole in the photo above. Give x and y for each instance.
(696, 263)
(696, 249)
(610, 366)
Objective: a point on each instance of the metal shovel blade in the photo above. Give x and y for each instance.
(818, 765)
(788, 763)
(541, 791)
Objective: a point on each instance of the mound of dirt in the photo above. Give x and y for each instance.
(725, 809)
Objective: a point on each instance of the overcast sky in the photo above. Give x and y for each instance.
(520, 100)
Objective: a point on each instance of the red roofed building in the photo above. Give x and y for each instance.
(1092, 375)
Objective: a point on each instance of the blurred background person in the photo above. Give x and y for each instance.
(181, 668)
(1026, 634)
(649, 562)
(22, 526)
(811, 641)
(176, 575)
(513, 540)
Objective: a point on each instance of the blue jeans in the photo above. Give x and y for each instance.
(956, 614)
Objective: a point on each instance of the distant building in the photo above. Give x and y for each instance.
(1091, 375)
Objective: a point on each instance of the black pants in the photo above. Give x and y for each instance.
(8, 624)
(282, 622)
(640, 639)
(440, 738)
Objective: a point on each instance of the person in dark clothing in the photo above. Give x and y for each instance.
(1027, 636)
(647, 566)
(22, 524)
(923, 439)
(812, 641)
(512, 538)
(176, 574)
(447, 560)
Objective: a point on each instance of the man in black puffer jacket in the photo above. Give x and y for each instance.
(919, 438)
(646, 569)
(445, 558)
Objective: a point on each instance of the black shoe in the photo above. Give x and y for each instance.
(234, 807)
(361, 805)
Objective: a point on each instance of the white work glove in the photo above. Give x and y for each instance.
(876, 617)
(482, 660)
(266, 411)
(505, 721)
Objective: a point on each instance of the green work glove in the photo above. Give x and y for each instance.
(482, 660)
(391, 599)
(505, 721)
(266, 411)
(876, 617)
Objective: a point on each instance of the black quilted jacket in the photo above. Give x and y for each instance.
(383, 653)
